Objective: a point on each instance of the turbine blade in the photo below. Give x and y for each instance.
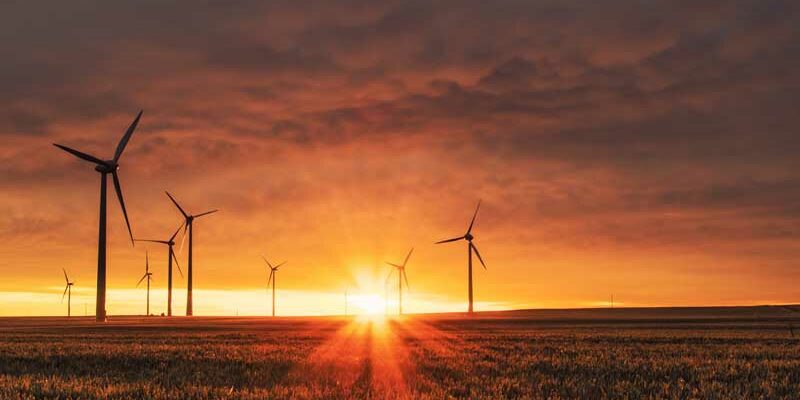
(126, 137)
(478, 254)
(406, 278)
(407, 256)
(394, 265)
(65, 275)
(449, 240)
(118, 188)
(80, 155)
(183, 239)
(146, 262)
(473, 217)
(176, 233)
(65, 293)
(267, 261)
(151, 241)
(176, 204)
(271, 272)
(279, 265)
(205, 213)
(389, 276)
(140, 280)
(176, 264)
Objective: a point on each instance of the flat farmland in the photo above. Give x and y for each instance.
(721, 352)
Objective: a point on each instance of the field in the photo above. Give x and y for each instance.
(742, 352)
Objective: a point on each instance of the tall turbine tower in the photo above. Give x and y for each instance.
(188, 220)
(149, 276)
(401, 275)
(272, 276)
(470, 248)
(68, 293)
(104, 168)
(170, 256)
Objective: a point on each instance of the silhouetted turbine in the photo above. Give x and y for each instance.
(272, 275)
(401, 275)
(170, 256)
(149, 276)
(104, 168)
(469, 237)
(188, 220)
(68, 293)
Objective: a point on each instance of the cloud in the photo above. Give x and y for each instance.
(331, 130)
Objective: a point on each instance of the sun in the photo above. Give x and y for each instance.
(370, 304)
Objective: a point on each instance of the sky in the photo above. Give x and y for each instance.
(645, 149)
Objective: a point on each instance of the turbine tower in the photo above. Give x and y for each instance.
(105, 167)
(170, 256)
(470, 248)
(188, 220)
(149, 276)
(272, 275)
(401, 275)
(68, 293)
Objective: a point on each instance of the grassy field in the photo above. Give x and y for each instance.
(743, 352)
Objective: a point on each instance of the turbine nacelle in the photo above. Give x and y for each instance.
(107, 167)
(469, 237)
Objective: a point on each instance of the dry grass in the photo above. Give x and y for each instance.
(514, 355)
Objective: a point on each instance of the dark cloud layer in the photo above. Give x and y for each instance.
(618, 125)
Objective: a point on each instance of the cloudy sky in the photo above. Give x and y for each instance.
(642, 148)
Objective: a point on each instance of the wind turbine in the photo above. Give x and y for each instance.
(149, 276)
(104, 168)
(470, 248)
(68, 293)
(170, 256)
(272, 276)
(401, 274)
(189, 219)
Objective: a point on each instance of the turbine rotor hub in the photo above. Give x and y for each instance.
(108, 167)
(469, 237)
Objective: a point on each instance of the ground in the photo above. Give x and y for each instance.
(742, 352)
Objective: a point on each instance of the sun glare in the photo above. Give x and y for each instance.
(369, 304)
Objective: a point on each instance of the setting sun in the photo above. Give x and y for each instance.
(367, 304)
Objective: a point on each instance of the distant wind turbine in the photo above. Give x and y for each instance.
(104, 168)
(272, 276)
(188, 220)
(401, 275)
(149, 276)
(471, 247)
(170, 256)
(68, 293)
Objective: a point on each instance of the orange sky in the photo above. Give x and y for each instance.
(644, 150)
